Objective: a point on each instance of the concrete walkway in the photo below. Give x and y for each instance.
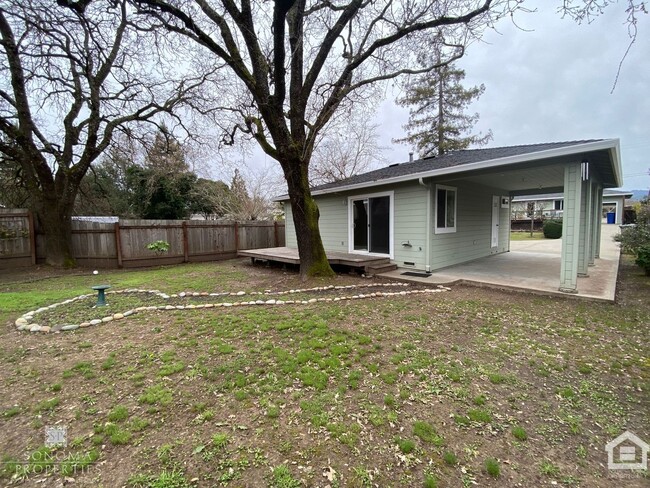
(533, 266)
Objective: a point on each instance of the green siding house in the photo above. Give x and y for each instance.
(437, 212)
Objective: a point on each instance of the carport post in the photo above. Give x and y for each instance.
(585, 227)
(571, 228)
(599, 220)
(596, 191)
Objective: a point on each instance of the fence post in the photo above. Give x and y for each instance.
(275, 233)
(118, 244)
(32, 236)
(186, 256)
(236, 236)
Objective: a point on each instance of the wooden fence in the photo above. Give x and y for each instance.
(124, 243)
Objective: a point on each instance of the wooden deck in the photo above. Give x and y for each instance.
(290, 255)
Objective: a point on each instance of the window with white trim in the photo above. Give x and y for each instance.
(446, 206)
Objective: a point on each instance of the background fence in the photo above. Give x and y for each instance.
(124, 243)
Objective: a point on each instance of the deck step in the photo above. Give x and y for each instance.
(377, 268)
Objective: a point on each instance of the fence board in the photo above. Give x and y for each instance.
(15, 238)
(103, 244)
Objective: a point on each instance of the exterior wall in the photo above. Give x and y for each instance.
(411, 225)
(413, 218)
(333, 223)
(409, 222)
(472, 239)
(618, 201)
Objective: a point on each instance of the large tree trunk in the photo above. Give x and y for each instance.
(313, 260)
(55, 222)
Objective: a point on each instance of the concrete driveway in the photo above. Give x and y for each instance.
(533, 266)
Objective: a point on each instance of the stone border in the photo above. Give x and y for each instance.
(26, 321)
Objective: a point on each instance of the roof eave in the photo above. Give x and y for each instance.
(613, 145)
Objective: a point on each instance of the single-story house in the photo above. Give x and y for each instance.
(436, 212)
(552, 204)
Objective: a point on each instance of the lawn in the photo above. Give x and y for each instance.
(525, 236)
(463, 387)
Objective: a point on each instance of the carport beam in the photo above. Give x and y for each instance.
(595, 222)
(585, 228)
(571, 229)
(599, 217)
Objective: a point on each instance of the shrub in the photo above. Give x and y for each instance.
(553, 229)
(635, 240)
(159, 247)
(643, 259)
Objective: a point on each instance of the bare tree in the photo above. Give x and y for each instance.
(298, 62)
(250, 196)
(347, 149)
(587, 10)
(72, 75)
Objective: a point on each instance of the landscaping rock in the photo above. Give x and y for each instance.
(45, 329)
(70, 327)
(34, 328)
(84, 324)
(95, 321)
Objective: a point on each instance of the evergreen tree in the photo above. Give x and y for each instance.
(438, 122)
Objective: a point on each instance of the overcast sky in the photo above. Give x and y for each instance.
(553, 83)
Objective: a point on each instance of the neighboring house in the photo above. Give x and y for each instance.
(551, 205)
(441, 211)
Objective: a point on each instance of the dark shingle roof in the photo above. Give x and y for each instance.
(456, 158)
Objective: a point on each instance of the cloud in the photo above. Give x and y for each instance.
(550, 80)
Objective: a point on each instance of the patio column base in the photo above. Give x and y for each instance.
(583, 275)
(568, 290)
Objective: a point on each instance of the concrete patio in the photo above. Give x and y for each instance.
(533, 266)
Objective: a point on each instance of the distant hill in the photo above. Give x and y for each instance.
(639, 194)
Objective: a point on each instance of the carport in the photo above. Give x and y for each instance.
(580, 171)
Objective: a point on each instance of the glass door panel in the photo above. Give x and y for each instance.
(360, 224)
(380, 225)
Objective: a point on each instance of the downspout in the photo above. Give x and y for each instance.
(427, 236)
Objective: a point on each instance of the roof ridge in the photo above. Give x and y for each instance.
(577, 141)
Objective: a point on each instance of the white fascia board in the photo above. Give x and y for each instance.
(615, 152)
(613, 145)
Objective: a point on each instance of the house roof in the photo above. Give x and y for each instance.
(559, 196)
(471, 160)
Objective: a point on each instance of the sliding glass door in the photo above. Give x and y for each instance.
(370, 222)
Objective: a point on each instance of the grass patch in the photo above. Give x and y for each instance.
(156, 395)
(118, 413)
(11, 412)
(166, 479)
(281, 477)
(427, 433)
(405, 445)
(450, 458)
(519, 433)
(46, 406)
(492, 467)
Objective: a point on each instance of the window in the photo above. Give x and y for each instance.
(445, 209)
(558, 205)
